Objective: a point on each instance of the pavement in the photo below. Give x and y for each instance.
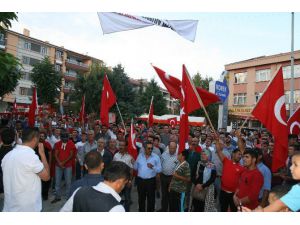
(48, 207)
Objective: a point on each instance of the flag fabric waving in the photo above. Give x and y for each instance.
(108, 99)
(172, 84)
(32, 109)
(82, 110)
(172, 121)
(115, 22)
(132, 150)
(294, 122)
(151, 114)
(271, 112)
(15, 106)
(207, 97)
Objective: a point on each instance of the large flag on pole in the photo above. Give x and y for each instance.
(114, 22)
(271, 112)
(82, 110)
(132, 150)
(173, 86)
(32, 109)
(15, 106)
(151, 113)
(108, 99)
(294, 123)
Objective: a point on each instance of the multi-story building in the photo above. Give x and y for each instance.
(31, 51)
(249, 78)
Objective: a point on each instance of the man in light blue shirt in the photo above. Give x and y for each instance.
(265, 171)
(148, 165)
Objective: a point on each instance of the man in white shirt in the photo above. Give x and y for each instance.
(55, 137)
(22, 175)
(104, 196)
(123, 156)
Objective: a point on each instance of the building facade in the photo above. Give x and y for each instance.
(248, 80)
(31, 51)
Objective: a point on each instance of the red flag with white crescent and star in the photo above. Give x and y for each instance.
(294, 122)
(33, 108)
(172, 121)
(271, 112)
(108, 99)
(132, 149)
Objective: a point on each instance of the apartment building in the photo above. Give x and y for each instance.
(30, 51)
(249, 78)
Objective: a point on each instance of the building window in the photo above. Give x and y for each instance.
(287, 71)
(25, 91)
(26, 76)
(288, 96)
(58, 55)
(35, 47)
(57, 68)
(34, 61)
(257, 96)
(240, 78)
(44, 50)
(25, 60)
(240, 99)
(1, 37)
(27, 45)
(263, 75)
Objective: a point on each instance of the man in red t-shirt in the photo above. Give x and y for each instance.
(65, 151)
(250, 183)
(230, 177)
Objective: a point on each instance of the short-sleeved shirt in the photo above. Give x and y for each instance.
(231, 175)
(22, 185)
(292, 198)
(216, 160)
(250, 183)
(64, 153)
(267, 178)
(125, 158)
(176, 184)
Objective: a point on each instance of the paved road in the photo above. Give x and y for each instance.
(48, 207)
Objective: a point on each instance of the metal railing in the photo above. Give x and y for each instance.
(77, 63)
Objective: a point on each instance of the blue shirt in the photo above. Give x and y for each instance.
(143, 170)
(292, 198)
(88, 180)
(265, 171)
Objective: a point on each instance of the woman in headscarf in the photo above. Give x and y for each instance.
(203, 178)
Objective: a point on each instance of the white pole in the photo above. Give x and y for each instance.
(121, 117)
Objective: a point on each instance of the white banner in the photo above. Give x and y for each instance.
(114, 22)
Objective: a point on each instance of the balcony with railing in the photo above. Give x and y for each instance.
(74, 64)
(71, 75)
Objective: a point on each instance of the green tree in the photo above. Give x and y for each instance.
(152, 89)
(47, 81)
(5, 20)
(10, 66)
(212, 109)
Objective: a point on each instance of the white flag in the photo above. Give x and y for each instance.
(114, 22)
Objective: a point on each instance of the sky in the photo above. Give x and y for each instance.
(221, 38)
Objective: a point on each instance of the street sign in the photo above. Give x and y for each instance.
(221, 89)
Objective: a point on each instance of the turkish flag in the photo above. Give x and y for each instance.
(15, 106)
(294, 123)
(151, 113)
(207, 97)
(108, 99)
(172, 121)
(82, 110)
(32, 109)
(132, 150)
(271, 112)
(171, 83)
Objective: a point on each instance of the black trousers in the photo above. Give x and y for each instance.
(78, 171)
(226, 200)
(176, 201)
(126, 203)
(197, 205)
(165, 198)
(146, 190)
(45, 189)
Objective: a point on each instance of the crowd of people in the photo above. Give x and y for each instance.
(216, 172)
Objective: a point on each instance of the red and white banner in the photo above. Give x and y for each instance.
(294, 123)
(172, 122)
(114, 22)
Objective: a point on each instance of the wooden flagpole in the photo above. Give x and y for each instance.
(121, 117)
(200, 100)
(150, 109)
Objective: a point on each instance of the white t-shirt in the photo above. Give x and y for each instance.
(22, 185)
(126, 158)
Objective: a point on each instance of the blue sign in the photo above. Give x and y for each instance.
(221, 89)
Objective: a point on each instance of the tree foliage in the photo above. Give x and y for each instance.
(152, 89)
(5, 20)
(47, 81)
(212, 109)
(9, 65)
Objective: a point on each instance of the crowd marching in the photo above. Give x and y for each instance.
(99, 164)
